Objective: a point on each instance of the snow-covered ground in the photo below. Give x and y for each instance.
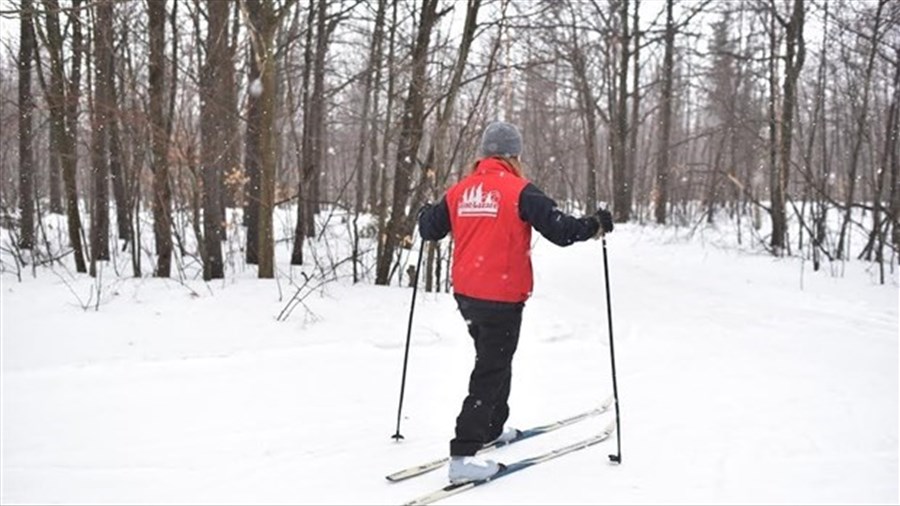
(743, 379)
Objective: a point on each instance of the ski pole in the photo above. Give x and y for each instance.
(412, 306)
(617, 458)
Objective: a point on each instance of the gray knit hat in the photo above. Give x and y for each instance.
(501, 139)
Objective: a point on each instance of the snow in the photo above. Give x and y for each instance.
(742, 378)
(256, 87)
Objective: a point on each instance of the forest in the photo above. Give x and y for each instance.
(193, 138)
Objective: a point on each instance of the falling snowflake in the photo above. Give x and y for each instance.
(256, 87)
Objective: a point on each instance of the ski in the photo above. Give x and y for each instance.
(418, 470)
(457, 488)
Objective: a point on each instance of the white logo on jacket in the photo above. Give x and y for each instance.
(475, 203)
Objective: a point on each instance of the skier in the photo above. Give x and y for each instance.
(490, 213)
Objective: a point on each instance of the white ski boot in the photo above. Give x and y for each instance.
(463, 469)
(508, 434)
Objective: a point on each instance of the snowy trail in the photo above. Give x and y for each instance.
(737, 386)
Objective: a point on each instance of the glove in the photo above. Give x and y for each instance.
(604, 218)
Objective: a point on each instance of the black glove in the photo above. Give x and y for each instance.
(605, 219)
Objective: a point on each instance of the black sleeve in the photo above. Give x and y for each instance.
(434, 221)
(561, 229)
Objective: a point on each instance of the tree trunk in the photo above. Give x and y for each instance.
(315, 168)
(26, 137)
(385, 142)
(411, 130)
(621, 204)
(162, 197)
(231, 161)
(819, 182)
(252, 154)
(63, 104)
(54, 144)
(120, 179)
(588, 119)
(114, 146)
(100, 132)
(368, 93)
(661, 188)
(435, 167)
(631, 167)
(776, 196)
(214, 129)
(266, 240)
(375, 161)
(308, 155)
(794, 58)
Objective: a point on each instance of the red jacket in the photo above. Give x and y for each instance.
(491, 212)
(491, 255)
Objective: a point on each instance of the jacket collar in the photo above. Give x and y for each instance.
(492, 166)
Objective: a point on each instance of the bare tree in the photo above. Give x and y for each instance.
(631, 168)
(26, 138)
(436, 161)
(876, 242)
(575, 55)
(62, 98)
(312, 143)
(366, 130)
(618, 100)
(860, 124)
(894, 159)
(162, 196)
(661, 188)
(252, 154)
(213, 88)
(100, 119)
(411, 130)
(117, 168)
(795, 53)
(262, 33)
(377, 56)
(382, 175)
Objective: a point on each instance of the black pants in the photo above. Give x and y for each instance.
(494, 327)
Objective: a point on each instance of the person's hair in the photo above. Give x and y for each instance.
(511, 162)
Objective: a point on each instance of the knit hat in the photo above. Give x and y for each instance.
(501, 139)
